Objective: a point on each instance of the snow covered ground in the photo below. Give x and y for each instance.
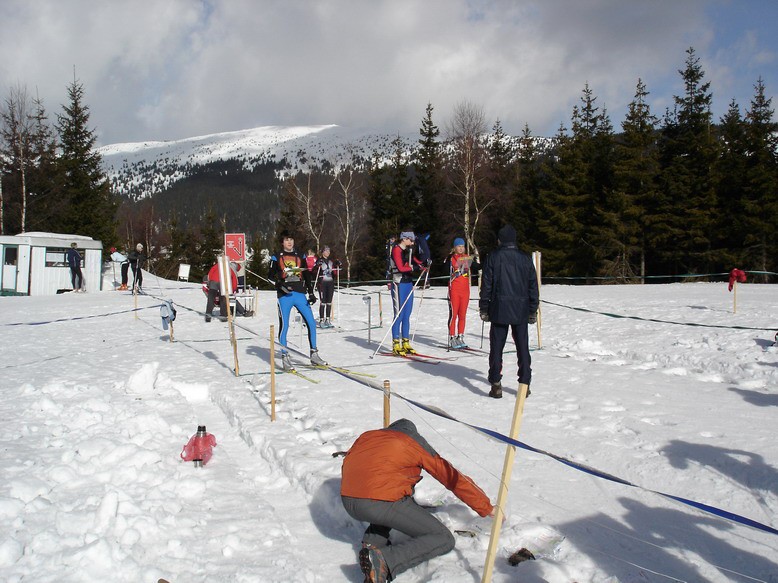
(96, 404)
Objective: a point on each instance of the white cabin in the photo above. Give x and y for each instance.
(34, 264)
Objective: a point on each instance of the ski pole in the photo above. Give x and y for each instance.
(482, 333)
(397, 315)
(421, 301)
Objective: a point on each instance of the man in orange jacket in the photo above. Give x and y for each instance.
(379, 474)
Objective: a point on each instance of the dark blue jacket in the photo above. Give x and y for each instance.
(73, 258)
(509, 286)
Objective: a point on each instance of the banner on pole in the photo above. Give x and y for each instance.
(235, 246)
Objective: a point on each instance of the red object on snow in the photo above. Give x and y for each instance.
(200, 447)
(736, 275)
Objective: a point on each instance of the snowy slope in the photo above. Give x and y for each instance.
(149, 167)
(97, 404)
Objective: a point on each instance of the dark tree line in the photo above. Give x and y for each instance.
(671, 195)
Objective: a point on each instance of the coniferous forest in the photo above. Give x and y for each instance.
(660, 195)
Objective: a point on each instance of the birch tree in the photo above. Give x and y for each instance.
(16, 133)
(468, 164)
(350, 211)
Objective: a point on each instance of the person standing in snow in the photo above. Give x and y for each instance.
(509, 299)
(402, 264)
(122, 260)
(137, 260)
(74, 263)
(379, 475)
(325, 269)
(214, 291)
(461, 268)
(293, 282)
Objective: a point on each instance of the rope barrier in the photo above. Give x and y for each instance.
(694, 324)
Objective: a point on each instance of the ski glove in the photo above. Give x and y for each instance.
(533, 318)
(484, 316)
(311, 299)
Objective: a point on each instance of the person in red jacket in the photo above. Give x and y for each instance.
(461, 269)
(379, 474)
(214, 291)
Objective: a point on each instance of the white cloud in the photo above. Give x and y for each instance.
(178, 68)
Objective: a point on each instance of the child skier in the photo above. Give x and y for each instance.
(461, 268)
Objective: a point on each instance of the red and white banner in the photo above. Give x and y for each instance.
(235, 246)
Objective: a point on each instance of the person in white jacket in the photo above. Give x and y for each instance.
(125, 266)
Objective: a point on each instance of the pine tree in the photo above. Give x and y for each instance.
(91, 206)
(760, 208)
(730, 183)
(45, 202)
(688, 154)
(635, 179)
(526, 192)
(428, 163)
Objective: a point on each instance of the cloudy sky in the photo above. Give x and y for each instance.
(170, 69)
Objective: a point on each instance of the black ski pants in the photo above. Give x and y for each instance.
(498, 334)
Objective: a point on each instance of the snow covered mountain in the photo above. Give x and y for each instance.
(143, 169)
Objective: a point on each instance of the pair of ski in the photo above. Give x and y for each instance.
(466, 349)
(418, 357)
(340, 369)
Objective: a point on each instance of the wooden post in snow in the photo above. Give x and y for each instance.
(499, 509)
(380, 311)
(272, 373)
(387, 407)
(540, 319)
(734, 297)
(226, 291)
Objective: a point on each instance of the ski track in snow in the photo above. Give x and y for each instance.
(97, 411)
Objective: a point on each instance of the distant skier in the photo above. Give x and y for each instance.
(124, 262)
(325, 270)
(379, 474)
(74, 262)
(137, 260)
(293, 282)
(461, 267)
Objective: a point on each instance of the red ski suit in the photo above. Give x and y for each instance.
(458, 292)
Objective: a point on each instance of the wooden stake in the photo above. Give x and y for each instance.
(540, 318)
(224, 270)
(171, 330)
(380, 311)
(272, 373)
(734, 297)
(499, 509)
(387, 407)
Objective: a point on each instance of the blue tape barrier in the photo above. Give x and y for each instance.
(593, 471)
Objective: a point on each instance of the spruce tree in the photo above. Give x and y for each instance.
(635, 179)
(45, 200)
(760, 208)
(91, 206)
(688, 154)
(730, 183)
(526, 192)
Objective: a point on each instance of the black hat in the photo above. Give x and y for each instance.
(507, 235)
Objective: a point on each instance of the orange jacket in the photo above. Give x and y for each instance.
(386, 465)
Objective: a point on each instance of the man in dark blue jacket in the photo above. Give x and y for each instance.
(509, 298)
(74, 262)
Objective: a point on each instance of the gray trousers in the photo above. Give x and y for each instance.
(429, 537)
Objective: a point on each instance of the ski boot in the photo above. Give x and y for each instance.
(286, 362)
(317, 360)
(461, 341)
(407, 346)
(452, 342)
(397, 348)
(327, 323)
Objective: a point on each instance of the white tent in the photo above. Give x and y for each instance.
(34, 263)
